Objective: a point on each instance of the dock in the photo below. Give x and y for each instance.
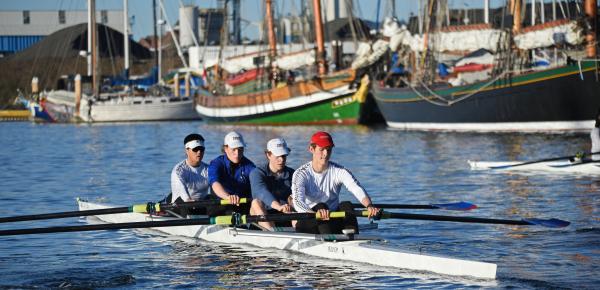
(15, 115)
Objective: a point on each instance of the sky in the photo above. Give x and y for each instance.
(252, 10)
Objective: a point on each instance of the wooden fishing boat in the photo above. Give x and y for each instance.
(263, 95)
(555, 166)
(355, 248)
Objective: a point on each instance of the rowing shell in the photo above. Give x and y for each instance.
(560, 166)
(356, 249)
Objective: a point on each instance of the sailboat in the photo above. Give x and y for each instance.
(478, 77)
(264, 87)
(127, 100)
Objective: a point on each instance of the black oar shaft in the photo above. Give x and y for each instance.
(139, 208)
(453, 219)
(66, 214)
(117, 226)
(399, 206)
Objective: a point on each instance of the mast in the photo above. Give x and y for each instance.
(271, 30)
(126, 36)
(591, 12)
(154, 24)
(319, 37)
(237, 22)
(89, 38)
(532, 12)
(95, 85)
(516, 12)
(486, 11)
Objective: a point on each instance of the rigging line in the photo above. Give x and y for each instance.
(179, 53)
(109, 45)
(452, 102)
(351, 23)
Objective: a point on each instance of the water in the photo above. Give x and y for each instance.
(44, 168)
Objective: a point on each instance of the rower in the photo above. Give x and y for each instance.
(595, 135)
(229, 176)
(189, 178)
(316, 187)
(271, 184)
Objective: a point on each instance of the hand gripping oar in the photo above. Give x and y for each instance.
(579, 155)
(447, 206)
(235, 219)
(150, 208)
(550, 223)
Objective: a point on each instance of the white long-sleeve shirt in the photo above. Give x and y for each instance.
(189, 183)
(310, 188)
(595, 135)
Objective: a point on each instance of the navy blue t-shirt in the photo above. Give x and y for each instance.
(268, 187)
(234, 180)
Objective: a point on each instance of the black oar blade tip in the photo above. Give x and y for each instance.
(549, 223)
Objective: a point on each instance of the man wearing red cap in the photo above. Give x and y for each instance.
(316, 187)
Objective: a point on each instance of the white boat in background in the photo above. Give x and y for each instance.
(123, 108)
(558, 166)
(119, 107)
(344, 247)
(119, 98)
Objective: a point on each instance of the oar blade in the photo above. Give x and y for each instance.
(462, 206)
(549, 223)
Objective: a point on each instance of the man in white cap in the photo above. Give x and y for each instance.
(271, 183)
(316, 187)
(189, 178)
(229, 175)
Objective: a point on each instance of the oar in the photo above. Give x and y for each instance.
(543, 160)
(550, 223)
(575, 164)
(447, 206)
(219, 220)
(138, 208)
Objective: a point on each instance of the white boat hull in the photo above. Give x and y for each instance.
(138, 109)
(559, 166)
(362, 251)
(122, 109)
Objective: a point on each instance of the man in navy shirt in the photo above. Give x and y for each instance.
(229, 175)
(271, 183)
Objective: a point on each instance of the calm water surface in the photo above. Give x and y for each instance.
(43, 168)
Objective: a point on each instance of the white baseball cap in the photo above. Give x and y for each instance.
(234, 140)
(278, 147)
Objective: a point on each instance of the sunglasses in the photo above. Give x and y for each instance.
(197, 149)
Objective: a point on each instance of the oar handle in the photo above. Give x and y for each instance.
(143, 208)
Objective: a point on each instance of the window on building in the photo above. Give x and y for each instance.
(62, 18)
(26, 19)
(103, 16)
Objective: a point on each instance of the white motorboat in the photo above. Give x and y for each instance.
(336, 247)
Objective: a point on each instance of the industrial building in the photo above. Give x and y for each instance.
(21, 29)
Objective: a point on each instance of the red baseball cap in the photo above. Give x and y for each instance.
(322, 139)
